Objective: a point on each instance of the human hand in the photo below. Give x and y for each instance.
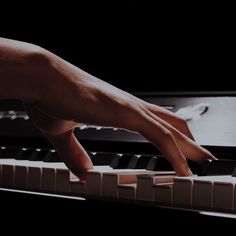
(73, 96)
(59, 95)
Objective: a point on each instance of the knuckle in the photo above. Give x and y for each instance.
(168, 135)
(182, 121)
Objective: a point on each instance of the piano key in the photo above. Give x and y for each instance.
(94, 181)
(139, 161)
(49, 175)
(127, 191)
(159, 163)
(145, 184)
(223, 193)
(24, 154)
(203, 189)
(48, 179)
(62, 180)
(152, 163)
(21, 175)
(203, 192)
(34, 174)
(0, 175)
(78, 188)
(111, 180)
(235, 197)
(186, 195)
(182, 191)
(43, 175)
(101, 158)
(121, 161)
(39, 155)
(52, 156)
(8, 152)
(218, 167)
(234, 172)
(34, 178)
(163, 193)
(7, 173)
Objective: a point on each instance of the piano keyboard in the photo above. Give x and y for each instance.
(129, 171)
(42, 171)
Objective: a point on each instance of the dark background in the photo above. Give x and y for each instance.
(134, 45)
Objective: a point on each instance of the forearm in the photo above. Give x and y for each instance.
(23, 69)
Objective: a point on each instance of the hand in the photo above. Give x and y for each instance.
(70, 96)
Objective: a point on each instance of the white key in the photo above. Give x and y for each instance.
(48, 183)
(21, 174)
(127, 191)
(203, 191)
(223, 193)
(42, 176)
(78, 188)
(113, 178)
(145, 184)
(2, 162)
(182, 191)
(49, 171)
(8, 172)
(0, 174)
(235, 194)
(163, 193)
(34, 178)
(62, 180)
(35, 169)
(94, 181)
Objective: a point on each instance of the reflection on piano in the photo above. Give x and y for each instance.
(128, 170)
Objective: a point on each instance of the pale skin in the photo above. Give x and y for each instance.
(58, 96)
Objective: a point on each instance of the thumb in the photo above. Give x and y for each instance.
(72, 153)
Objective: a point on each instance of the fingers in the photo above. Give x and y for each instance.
(171, 118)
(188, 147)
(165, 141)
(72, 153)
(60, 134)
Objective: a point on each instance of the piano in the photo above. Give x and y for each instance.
(130, 175)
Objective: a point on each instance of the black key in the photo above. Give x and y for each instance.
(101, 158)
(152, 163)
(139, 161)
(218, 167)
(38, 155)
(26, 154)
(121, 161)
(9, 153)
(133, 162)
(159, 163)
(52, 156)
(194, 166)
(234, 172)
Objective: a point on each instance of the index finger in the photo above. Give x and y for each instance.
(161, 137)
